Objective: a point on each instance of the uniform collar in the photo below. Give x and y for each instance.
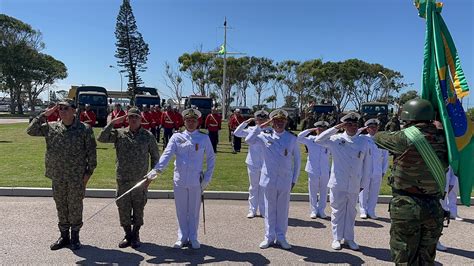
(191, 133)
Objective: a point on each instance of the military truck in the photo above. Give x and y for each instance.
(203, 103)
(377, 110)
(95, 96)
(293, 117)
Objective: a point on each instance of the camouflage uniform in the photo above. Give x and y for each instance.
(70, 154)
(415, 211)
(133, 151)
(393, 125)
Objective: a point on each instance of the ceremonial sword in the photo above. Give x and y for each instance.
(121, 196)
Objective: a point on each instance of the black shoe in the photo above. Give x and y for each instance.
(136, 237)
(62, 241)
(75, 243)
(128, 237)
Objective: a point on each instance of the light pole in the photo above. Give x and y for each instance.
(386, 84)
(121, 79)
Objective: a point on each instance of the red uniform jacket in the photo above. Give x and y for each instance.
(156, 117)
(168, 120)
(213, 122)
(179, 120)
(235, 121)
(147, 120)
(115, 114)
(88, 117)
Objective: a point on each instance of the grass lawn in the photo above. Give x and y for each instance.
(22, 164)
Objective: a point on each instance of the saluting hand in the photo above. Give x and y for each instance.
(119, 119)
(51, 110)
(249, 120)
(266, 123)
(341, 125)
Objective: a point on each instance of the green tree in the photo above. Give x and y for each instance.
(19, 45)
(132, 51)
(406, 96)
(262, 71)
(271, 99)
(198, 66)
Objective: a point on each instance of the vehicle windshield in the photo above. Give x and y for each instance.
(201, 103)
(245, 111)
(139, 101)
(319, 109)
(374, 109)
(92, 99)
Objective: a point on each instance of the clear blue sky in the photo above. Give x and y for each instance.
(81, 33)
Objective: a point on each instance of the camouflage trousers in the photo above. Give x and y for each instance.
(132, 205)
(68, 195)
(416, 226)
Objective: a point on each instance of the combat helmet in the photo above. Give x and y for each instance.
(417, 110)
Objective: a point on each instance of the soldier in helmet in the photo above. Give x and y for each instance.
(134, 147)
(393, 125)
(415, 210)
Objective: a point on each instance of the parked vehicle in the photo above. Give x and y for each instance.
(95, 96)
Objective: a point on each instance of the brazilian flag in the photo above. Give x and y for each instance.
(444, 84)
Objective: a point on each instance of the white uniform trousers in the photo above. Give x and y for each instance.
(256, 197)
(450, 202)
(369, 195)
(317, 184)
(188, 204)
(276, 213)
(343, 205)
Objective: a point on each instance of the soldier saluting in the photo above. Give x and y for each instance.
(415, 210)
(134, 147)
(70, 161)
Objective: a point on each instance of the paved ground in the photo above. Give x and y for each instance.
(28, 228)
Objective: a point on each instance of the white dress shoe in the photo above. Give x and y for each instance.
(283, 244)
(363, 216)
(352, 244)
(313, 215)
(457, 218)
(195, 244)
(265, 244)
(441, 247)
(336, 245)
(179, 244)
(251, 215)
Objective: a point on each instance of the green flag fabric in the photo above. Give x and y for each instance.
(444, 84)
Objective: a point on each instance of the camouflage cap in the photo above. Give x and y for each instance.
(191, 113)
(279, 114)
(321, 124)
(134, 111)
(351, 117)
(372, 121)
(68, 102)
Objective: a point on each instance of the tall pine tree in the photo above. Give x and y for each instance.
(132, 51)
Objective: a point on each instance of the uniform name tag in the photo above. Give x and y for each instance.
(197, 146)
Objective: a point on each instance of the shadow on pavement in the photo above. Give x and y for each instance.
(466, 220)
(382, 219)
(95, 255)
(460, 252)
(294, 222)
(190, 256)
(368, 224)
(323, 256)
(381, 254)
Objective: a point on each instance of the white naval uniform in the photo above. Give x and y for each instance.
(189, 148)
(281, 166)
(254, 163)
(349, 169)
(317, 167)
(379, 165)
(450, 201)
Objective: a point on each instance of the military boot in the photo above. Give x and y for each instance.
(136, 237)
(62, 241)
(75, 243)
(128, 237)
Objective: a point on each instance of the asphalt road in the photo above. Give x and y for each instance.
(28, 227)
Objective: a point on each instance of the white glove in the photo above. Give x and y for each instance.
(152, 174)
(204, 185)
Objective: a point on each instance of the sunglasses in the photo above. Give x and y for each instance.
(63, 108)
